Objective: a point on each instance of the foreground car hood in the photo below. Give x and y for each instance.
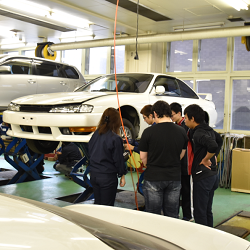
(188, 235)
(60, 98)
(25, 226)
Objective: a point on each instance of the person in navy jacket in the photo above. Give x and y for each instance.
(106, 158)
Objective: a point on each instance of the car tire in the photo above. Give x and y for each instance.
(42, 147)
(129, 129)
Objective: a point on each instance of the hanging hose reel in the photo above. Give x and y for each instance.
(43, 50)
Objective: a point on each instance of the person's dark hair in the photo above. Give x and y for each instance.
(146, 110)
(195, 111)
(176, 107)
(162, 108)
(110, 120)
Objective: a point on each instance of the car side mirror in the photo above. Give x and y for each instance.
(5, 69)
(159, 90)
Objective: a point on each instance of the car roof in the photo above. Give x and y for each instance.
(4, 57)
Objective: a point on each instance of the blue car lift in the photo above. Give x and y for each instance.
(82, 179)
(25, 167)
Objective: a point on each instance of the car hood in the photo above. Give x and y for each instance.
(24, 225)
(63, 98)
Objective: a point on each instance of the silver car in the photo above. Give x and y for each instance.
(21, 75)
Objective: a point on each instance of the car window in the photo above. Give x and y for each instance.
(186, 91)
(70, 72)
(47, 69)
(18, 66)
(133, 83)
(170, 84)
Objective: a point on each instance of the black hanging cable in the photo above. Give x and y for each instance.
(136, 54)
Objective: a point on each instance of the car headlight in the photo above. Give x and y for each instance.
(14, 107)
(83, 108)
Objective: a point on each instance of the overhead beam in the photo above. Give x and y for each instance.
(157, 38)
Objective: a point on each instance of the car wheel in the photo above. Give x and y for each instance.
(129, 129)
(42, 147)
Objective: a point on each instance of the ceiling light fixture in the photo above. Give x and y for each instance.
(199, 26)
(27, 6)
(46, 12)
(13, 45)
(69, 19)
(237, 4)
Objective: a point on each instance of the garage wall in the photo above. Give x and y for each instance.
(150, 58)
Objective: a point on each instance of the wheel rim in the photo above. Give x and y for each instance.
(127, 131)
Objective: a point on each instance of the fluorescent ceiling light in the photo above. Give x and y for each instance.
(46, 12)
(13, 45)
(199, 26)
(27, 6)
(237, 4)
(69, 19)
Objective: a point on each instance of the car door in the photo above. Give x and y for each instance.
(50, 78)
(74, 77)
(175, 91)
(18, 81)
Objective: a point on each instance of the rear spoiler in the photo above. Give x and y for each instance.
(208, 96)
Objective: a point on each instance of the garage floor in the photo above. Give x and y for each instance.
(226, 203)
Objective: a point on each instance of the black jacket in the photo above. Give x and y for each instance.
(205, 139)
(106, 154)
(70, 155)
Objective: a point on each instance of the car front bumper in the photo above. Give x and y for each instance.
(54, 121)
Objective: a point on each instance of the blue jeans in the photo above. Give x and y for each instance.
(203, 193)
(162, 195)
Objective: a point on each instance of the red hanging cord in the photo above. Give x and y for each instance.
(135, 189)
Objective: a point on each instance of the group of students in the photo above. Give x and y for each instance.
(173, 149)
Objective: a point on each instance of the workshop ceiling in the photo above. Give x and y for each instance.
(158, 16)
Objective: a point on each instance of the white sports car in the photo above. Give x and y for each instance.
(28, 224)
(46, 119)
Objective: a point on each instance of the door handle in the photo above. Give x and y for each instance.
(63, 83)
(31, 81)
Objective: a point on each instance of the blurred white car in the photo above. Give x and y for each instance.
(22, 75)
(49, 118)
(28, 224)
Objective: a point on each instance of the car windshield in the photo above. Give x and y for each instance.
(132, 83)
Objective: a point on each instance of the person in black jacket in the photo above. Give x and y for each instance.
(106, 158)
(67, 158)
(186, 163)
(207, 145)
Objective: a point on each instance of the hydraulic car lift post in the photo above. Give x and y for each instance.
(21, 159)
(82, 178)
(25, 167)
